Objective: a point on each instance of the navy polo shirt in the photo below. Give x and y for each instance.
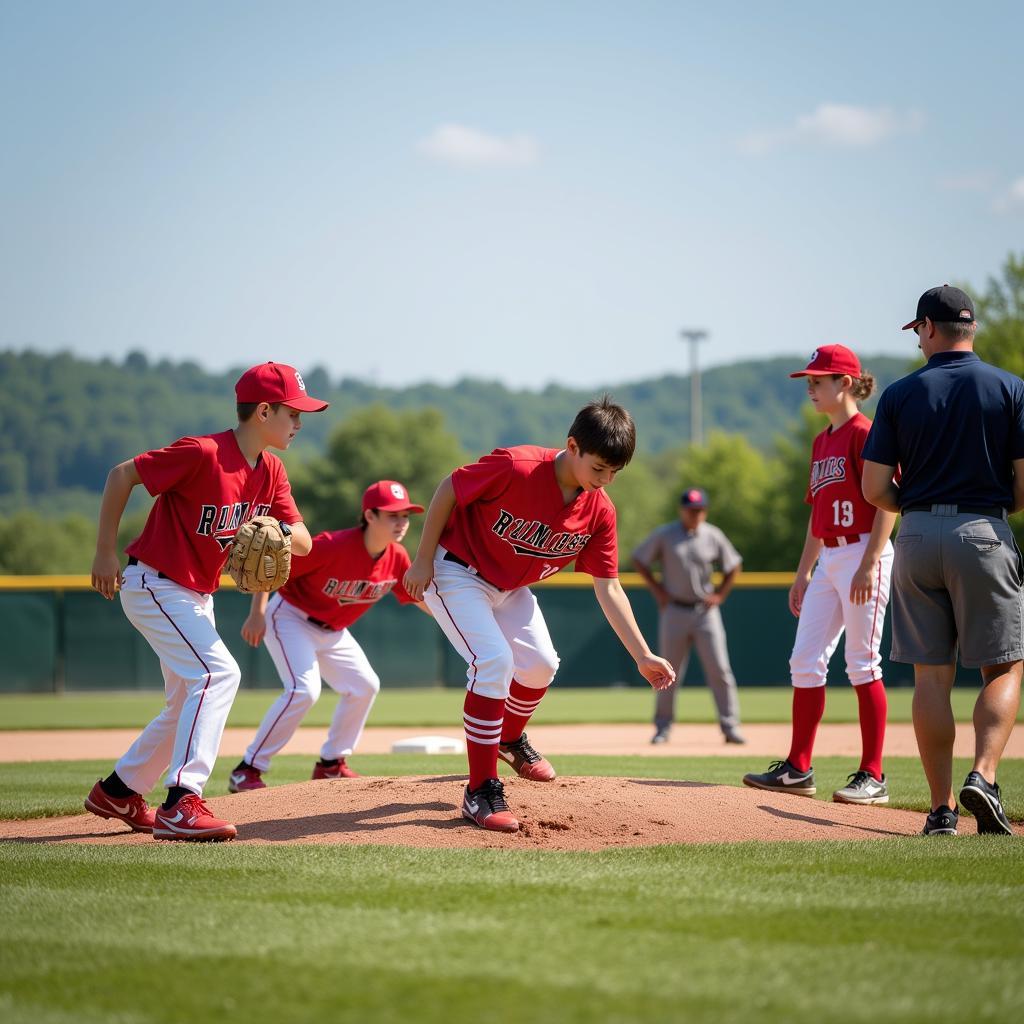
(954, 428)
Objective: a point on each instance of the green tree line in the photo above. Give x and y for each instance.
(755, 479)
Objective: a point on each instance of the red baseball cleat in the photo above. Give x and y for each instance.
(190, 819)
(132, 810)
(334, 771)
(525, 761)
(245, 778)
(486, 807)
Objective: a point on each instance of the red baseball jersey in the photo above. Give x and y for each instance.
(338, 580)
(838, 507)
(205, 489)
(512, 525)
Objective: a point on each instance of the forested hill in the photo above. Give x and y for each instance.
(67, 420)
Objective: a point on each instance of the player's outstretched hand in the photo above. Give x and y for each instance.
(657, 671)
(254, 628)
(796, 594)
(417, 579)
(106, 575)
(862, 584)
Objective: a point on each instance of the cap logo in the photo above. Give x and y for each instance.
(965, 314)
(693, 496)
(397, 492)
(300, 381)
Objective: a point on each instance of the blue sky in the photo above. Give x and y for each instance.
(530, 193)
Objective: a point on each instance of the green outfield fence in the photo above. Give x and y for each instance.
(57, 635)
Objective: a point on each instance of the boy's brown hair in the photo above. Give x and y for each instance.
(246, 409)
(605, 429)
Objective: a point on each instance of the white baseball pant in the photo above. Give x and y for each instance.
(304, 655)
(201, 678)
(827, 611)
(501, 634)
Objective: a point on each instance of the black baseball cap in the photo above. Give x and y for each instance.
(943, 305)
(694, 498)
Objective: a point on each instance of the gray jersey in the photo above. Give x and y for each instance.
(688, 559)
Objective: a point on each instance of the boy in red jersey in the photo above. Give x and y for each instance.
(849, 589)
(342, 578)
(517, 516)
(205, 488)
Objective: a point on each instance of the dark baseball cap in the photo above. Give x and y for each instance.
(694, 498)
(943, 305)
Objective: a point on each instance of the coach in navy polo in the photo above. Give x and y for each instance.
(955, 429)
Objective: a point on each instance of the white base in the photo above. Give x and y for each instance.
(429, 745)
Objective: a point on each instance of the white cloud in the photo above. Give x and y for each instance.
(836, 125)
(459, 144)
(1012, 199)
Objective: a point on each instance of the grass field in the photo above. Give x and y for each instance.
(443, 707)
(909, 929)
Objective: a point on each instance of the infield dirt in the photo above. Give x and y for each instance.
(568, 814)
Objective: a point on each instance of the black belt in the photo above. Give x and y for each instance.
(687, 604)
(996, 511)
(132, 560)
(449, 557)
(322, 625)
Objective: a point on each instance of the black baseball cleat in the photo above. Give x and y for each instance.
(486, 807)
(983, 801)
(782, 777)
(940, 822)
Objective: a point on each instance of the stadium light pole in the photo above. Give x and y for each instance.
(695, 337)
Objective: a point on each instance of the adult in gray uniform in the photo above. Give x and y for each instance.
(956, 430)
(686, 552)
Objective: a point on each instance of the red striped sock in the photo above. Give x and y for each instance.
(520, 704)
(873, 707)
(481, 718)
(808, 707)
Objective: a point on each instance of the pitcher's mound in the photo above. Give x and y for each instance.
(567, 814)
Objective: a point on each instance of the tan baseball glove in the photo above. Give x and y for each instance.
(261, 555)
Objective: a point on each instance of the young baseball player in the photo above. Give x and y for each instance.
(205, 488)
(517, 516)
(848, 590)
(342, 578)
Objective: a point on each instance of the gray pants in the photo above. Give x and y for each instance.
(679, 630)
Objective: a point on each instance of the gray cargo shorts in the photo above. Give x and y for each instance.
(956, 580)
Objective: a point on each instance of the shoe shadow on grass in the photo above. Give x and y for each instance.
(69, 837)
(812, 820)
(347, 822)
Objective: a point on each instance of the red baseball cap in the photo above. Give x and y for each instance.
(276, 382)
(388, 496)
(831, 359)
